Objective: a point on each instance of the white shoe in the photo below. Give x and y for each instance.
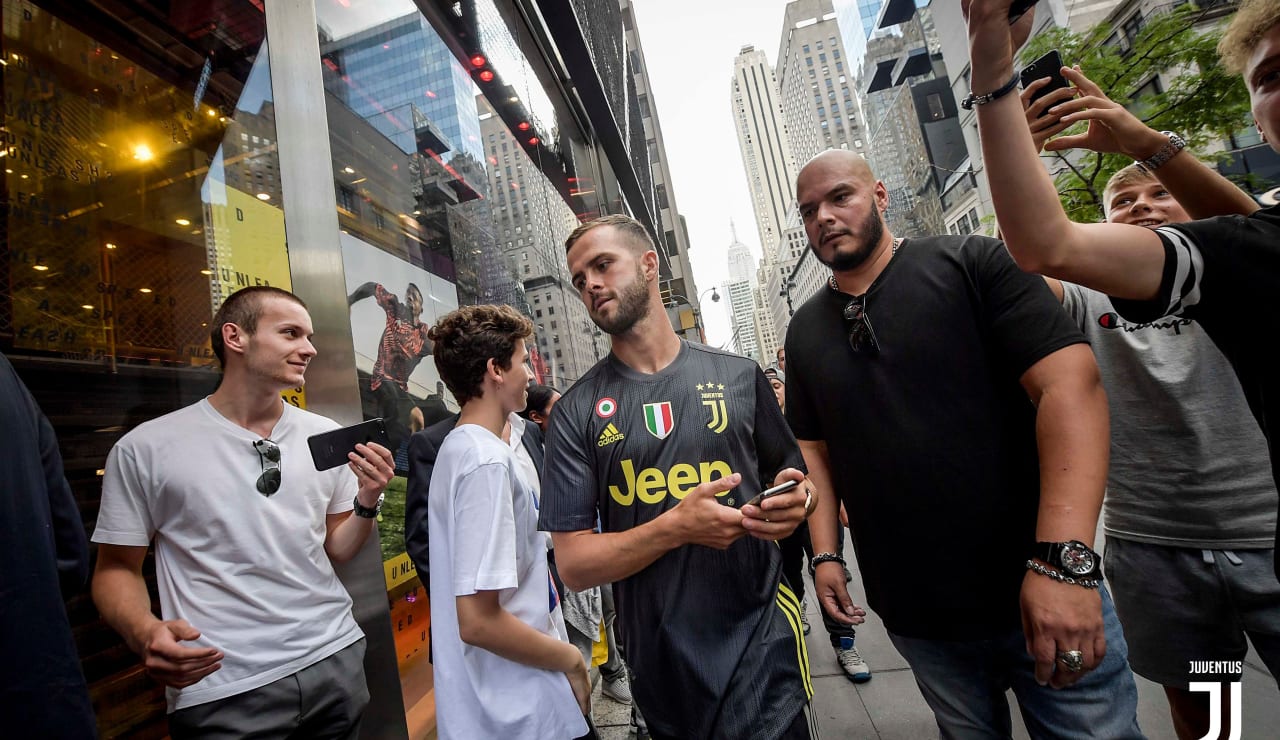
(618, 688)
(851, 662)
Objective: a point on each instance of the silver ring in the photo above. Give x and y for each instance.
(1072, 660)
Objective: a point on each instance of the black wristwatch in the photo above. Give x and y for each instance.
(1072, 558)
(369, 512)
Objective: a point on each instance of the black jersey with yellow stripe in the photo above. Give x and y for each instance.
(713, 637)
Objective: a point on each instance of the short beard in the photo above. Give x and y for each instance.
(633, 306)
(873, 230)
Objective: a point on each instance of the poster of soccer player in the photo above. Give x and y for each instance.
(393, 304)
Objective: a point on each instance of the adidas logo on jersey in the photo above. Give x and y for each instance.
(609, 436)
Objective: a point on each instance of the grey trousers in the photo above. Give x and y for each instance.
(323, 701)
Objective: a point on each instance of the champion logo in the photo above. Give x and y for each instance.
(659, 420)
(1113, 321)
(606, 407)
(609, 435)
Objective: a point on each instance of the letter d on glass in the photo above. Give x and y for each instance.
(1214, 690)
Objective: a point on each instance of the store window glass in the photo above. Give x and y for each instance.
(140, 188)
(458, 176)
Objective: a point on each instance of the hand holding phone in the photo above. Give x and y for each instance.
(330, 449)
(1049, 65)
(771, 492)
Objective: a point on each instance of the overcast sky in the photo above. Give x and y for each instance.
(689, 46)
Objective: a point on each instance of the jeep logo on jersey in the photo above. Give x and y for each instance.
(652, 485)
(606, 407)
(658, 419)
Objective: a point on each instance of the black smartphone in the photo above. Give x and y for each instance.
(329, 449)
(1049, 65)
(771, 492)
(1019, 8)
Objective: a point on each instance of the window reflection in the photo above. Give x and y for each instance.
(129, 197)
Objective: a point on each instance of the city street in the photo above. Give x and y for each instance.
(890, 707)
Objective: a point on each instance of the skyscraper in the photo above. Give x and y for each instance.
(741, 289)
(763, 141)
(818, 59)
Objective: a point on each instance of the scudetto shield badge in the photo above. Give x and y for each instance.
(659, 419)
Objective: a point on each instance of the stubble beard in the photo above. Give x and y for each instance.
(873, 231)
(633, 306)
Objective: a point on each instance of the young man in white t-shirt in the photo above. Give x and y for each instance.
(490, 586)
(256, 633)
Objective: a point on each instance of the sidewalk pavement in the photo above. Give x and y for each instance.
(890, 707)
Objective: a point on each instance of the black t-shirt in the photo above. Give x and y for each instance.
(1225, 274)
(932, 440)
(713, 637)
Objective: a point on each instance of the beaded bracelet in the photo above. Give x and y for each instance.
(826, 557)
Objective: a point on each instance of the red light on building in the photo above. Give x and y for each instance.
(486, 76)
(533, 141)
(430, 94)
(523, 125)
(478, 60)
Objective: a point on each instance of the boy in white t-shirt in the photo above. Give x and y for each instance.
(504, 666)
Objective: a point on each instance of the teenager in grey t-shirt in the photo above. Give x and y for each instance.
(1188, 462)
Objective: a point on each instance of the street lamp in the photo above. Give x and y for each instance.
(786, 291)
(675, 298)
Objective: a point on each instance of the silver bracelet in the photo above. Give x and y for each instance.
(1055, 575)
(1166, 151)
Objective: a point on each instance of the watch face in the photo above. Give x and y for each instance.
(1077, 559)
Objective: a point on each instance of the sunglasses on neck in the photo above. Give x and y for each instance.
(269, 458)
(860, 332)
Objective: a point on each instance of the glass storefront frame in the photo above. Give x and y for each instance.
(315, 259)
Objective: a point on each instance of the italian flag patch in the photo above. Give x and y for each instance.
(658, 419)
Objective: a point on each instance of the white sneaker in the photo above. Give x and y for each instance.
(617, 688)
(851, 662)
(804, 614)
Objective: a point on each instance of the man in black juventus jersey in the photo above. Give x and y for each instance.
(666, 441)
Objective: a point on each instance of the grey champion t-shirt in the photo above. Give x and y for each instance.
(1189, 465)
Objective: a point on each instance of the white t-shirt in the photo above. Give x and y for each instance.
(484, 537)
(247, 570)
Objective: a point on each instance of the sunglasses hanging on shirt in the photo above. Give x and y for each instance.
(861, 334)
(269, 458)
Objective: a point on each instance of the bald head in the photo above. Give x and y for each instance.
(841, 161)
(840, 204)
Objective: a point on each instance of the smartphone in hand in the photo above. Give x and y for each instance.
(329, 449)
(1049, 65)
(771, 492)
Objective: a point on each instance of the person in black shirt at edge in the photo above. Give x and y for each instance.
(958, 414)
(667, 441)
(46, 556)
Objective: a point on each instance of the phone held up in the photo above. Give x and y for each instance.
(1049, 65)
(329, 449)
(771, 492)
